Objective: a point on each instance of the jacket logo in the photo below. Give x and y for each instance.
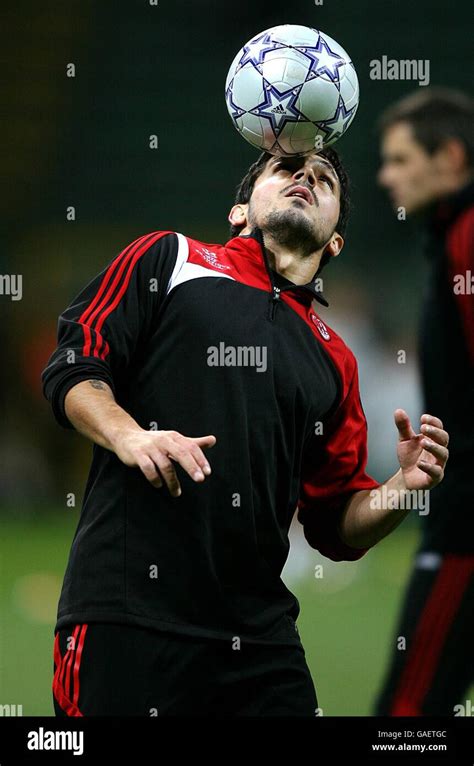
(211, 258)
(323, 330)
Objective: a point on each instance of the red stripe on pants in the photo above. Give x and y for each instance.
(430, 635)
(62, 665)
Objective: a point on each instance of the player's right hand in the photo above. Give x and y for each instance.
(153, 451)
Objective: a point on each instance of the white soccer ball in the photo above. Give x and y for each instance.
(292, 89)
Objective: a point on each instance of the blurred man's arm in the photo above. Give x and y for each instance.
(461, 273)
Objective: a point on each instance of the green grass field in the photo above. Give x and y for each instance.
(346, 622)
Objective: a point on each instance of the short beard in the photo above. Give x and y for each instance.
(293, 232)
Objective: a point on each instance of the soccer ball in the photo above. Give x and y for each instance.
(292, 89)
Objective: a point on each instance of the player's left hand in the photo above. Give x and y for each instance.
(422, 456)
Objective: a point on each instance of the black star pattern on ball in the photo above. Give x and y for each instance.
(335, 126)
(256, 50)
(278, 107)
(234, 110)
(323, 61)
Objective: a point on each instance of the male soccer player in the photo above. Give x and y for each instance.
(427, 168)
(172, 601)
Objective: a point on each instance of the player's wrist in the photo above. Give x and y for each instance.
(120, 435)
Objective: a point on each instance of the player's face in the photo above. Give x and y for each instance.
(312, 211)
(408, 172)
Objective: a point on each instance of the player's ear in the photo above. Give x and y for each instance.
(238, 215)
(335, 245)
(452, 155)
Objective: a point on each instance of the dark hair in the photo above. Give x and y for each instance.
(245, 189)
(435, 115)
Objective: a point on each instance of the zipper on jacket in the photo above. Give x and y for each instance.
(275, 291)
(274, 300)
(274, 294)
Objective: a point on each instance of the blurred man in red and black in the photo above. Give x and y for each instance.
(427, 145)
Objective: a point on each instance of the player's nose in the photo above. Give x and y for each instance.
(303, 175)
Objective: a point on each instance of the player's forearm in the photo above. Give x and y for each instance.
(364, 522)
(91, 407)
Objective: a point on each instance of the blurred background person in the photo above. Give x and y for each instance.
(427, 147)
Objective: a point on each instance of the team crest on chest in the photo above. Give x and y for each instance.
(323, 330)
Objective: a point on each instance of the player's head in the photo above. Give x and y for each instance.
(263, 199)
(427, 146)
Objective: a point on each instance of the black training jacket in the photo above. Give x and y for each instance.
(446, 351)
(207, 339)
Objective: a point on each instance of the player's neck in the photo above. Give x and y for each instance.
(296, 266)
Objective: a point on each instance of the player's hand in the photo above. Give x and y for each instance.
(153, 451)
(422, 456)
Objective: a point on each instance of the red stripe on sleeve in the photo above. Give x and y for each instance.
(108, 276)
(105, 313)
(99, 308)
(87, 340)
